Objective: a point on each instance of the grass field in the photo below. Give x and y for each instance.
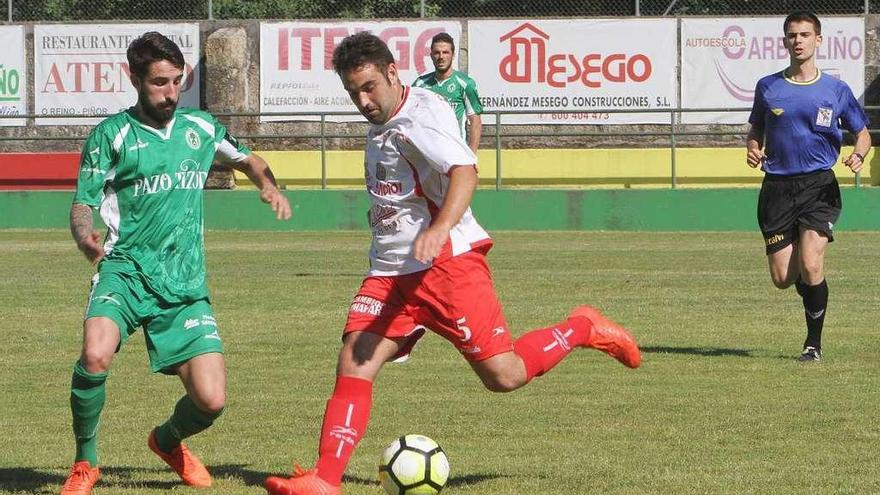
(719, 406)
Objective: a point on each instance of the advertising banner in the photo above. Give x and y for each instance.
(13, 76)
(82, 68)
(582, 65)
(723, 59)
(296, 72)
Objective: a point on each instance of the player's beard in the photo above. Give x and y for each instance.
(161, 113)
(443, 67)
(374, 117)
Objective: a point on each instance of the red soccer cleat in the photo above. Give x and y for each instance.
(184, 463)
(609, 337)
(301, 483)
(81, 479)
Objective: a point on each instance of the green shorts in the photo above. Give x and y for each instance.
(174, 333)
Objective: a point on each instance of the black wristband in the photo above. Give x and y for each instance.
(861, 157)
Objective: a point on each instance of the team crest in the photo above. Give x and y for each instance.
(381, 173)
(823, 118)
(193, 139)
(450, 88)
(777, 111)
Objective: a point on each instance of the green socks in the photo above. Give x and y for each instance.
(86, 402)
(186, 421)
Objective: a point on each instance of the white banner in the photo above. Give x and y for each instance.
(296, 73)
(580, 65)
(13, 75)
(722, 60)
(82, 68)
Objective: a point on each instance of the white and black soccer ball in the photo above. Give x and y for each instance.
(413, 465)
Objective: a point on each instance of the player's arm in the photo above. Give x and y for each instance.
(84, 234)
(238, 156)
(96, 161)
(860, 149)
(258, 171)
(755, 145)
(755, 139)
(473, 108)
(475, 131)
(462, 183)
(854, 120)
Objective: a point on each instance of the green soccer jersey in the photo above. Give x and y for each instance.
(459, 89)
(148, 184)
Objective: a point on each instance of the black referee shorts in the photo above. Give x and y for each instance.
(790, 202)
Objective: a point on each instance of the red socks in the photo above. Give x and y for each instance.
(345, 422)
(543, 349)
(348, 410)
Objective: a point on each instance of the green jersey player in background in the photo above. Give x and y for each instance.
(145, 169)
(459, 89)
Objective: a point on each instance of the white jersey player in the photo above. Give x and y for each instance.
(428, 266)
(407, 162)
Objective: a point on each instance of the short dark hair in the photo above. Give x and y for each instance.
(802, 16)
(361, 49)
(152, 47)
(443, 38)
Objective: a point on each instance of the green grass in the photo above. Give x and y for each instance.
(719, 405)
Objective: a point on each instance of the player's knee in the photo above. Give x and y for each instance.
(783, 279)
(812, 272)
(216, 409)
(95, 360)
(213, 405)
(781, 283)
(501, 383)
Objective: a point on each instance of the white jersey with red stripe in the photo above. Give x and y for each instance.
(407, 161)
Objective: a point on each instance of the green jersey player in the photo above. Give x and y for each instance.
(145, 170)
(459, 89)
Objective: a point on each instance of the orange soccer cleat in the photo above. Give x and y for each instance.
(184, 463)
(301, 483)
(81, 479)
(609, 337)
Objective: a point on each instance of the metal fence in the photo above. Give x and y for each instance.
(325, 136)
(94, 10)
(670, 135)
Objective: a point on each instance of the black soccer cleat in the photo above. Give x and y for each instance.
(810, 354)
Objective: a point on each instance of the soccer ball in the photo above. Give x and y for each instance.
(413, 465)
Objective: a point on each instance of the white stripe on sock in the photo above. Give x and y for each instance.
(348, 416)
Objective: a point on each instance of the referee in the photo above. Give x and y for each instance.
(795, 137)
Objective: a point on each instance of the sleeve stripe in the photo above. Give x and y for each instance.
(120, 137)
(227, 153)
(469, 109)
(467, 84)
(204, 124)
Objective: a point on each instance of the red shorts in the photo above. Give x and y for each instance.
(454, 299)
